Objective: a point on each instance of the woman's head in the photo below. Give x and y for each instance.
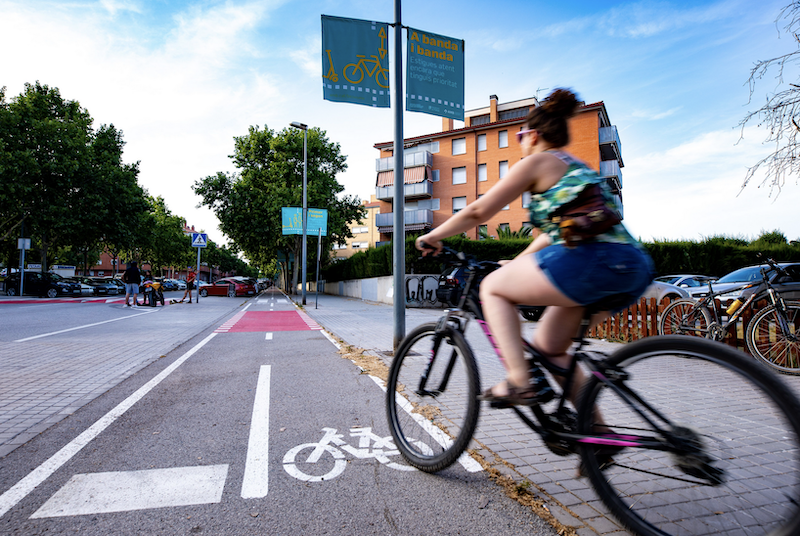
(549, 119)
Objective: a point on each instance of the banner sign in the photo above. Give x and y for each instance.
(292, 221)
(435, 75)
(355, 62)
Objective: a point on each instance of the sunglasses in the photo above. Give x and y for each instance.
(522, 133)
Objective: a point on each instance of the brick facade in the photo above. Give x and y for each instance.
(495, 123)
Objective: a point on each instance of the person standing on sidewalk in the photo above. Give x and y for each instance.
(190, 279)
(132, 277)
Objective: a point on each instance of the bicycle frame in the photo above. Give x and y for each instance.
(558, 436)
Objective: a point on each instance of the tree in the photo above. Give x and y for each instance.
(62, 180)
(269, 176)
(780, 113)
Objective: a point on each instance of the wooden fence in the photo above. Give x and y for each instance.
(640, 320)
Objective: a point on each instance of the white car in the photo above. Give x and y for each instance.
(180, 282)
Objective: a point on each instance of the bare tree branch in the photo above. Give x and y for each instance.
(779, 112)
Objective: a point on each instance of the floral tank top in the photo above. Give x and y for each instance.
(576, 178)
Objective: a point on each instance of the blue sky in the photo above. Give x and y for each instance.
(182, 78)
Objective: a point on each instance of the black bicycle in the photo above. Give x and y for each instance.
(704, 441)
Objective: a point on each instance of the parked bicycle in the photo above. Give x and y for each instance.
(705, 441)
(771, 335)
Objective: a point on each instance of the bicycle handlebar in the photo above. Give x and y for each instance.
(772, 263)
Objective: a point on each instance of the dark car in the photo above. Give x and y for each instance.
(787, 285)
(228, 286)
(451, 284)
(101, 286)
(117, 283)
(42, 284)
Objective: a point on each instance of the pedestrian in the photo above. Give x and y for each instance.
(190, 279)
(560, 270)
(132, 277)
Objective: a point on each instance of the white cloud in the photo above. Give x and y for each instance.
(693, 190)
(112, 6)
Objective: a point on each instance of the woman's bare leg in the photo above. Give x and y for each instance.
(521, 281)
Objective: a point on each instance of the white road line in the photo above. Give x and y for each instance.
(21, 489)
(82, 327)
(268, 336)
(256, 468)
(125, 491)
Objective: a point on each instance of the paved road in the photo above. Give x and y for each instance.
(219, 435)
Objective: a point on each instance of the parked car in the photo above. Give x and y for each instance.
(228, 286)
(676, 286)
(451, 284)
(86, 288)
(42, 284)
(117, 282)
(167, 284)
(787, 286)
(103, 287)
(180, 283)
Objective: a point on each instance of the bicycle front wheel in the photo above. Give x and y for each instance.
(723, 455)
(774, 341)
(677, 319)
(431, 397)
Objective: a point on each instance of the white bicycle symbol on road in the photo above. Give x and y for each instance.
(382, 448)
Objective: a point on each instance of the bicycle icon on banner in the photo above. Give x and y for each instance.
(370, 445)
(358, 69)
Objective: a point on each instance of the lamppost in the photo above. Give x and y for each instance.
(304, 128)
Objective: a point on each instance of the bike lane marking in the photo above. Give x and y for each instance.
(255, 484)
(81, 327)
(467, 461)
(21, 489)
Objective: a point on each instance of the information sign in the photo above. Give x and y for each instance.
(435, 74)
(355, 63)
(199, 240)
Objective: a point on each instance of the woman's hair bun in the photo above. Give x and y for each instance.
(561, 102)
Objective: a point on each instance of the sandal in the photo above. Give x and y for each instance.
(517, 396)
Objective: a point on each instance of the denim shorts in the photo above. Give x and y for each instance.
(131, 288)
(594, 271)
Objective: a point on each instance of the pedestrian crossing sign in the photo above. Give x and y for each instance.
(199, 240)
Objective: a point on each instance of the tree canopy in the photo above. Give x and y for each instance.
(779, 113)
(269, 176)
(64, 181)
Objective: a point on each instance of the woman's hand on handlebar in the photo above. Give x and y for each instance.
(427, 245)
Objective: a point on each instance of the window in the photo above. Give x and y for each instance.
(459, 203)
(503, 168)
(526, 199)
(359, 245)
(482, 173)
(504, 227)
(481, 142)
(483, 232)
(338, 246)
(435, 175)
(502, 139)
(360, 230)
(460, 146)
(460, 175)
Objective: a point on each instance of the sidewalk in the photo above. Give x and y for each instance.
(369, 326)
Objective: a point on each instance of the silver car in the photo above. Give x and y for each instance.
(661, 290)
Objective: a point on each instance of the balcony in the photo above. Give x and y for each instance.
(414, 220)
(420, 190)
(610, 146)
(610, 170)
(417, 158)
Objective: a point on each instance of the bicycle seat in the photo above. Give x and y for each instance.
(609, 303)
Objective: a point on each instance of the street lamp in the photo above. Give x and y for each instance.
(304, 128)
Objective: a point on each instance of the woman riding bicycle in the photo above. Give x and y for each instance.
(551, 271)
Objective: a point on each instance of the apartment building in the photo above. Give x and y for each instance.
(365, 232)
(444, 171)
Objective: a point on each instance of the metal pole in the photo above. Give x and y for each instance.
(197, 276)
(319, 254)
(399, 234)
(21, 262)
(305, 212)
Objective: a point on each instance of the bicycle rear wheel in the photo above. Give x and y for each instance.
(675, 320)
(735, 466)
(769, 341)
(431, 397)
